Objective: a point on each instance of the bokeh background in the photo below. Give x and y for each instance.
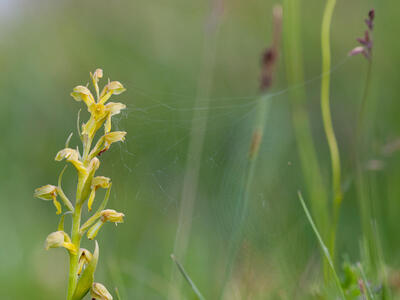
(168, 54)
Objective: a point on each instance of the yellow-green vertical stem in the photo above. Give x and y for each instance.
(76, 240)
(76, 223)
(327, 119)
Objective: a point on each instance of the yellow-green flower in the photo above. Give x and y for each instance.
(81, 92)
(82, 262)
(99, 292)
(110, 215)
(72, 156)
(99, 111)
(48, 192)
(112, 88)
(106, 140)
(107, 215)
(97, 182)
(113, 137)
(59, 239)
(84, 258)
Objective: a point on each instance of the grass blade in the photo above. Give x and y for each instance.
(186, 276)
(325, 250)
(117, 293)
(369, 294)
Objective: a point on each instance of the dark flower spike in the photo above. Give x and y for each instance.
(366, 42)
(370, 20)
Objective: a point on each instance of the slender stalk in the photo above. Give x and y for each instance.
(327, 120)
(73, 262)
(196, 143)
(270, 59)
(76, 223)
(300, 119)
(359, 155)
(361, 114)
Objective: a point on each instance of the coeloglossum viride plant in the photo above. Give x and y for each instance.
(86, 162)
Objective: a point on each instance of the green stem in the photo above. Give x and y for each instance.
(301, 122)
(362, 181)
(76, 236)
(73, 262)
(327, 119)
(361, 114)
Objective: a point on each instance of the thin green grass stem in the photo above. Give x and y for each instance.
(325, 249)
(360, 149)
(382, 271)
(369, 295)
(196, 143)
(187, 278)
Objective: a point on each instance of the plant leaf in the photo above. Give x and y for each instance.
(61, 223)
(188, 279)
(86, 280)
(323, 247)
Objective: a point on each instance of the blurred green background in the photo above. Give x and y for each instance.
(158, 50)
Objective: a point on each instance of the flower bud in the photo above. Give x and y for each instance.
(94, 164)
(99, 292)
(98, 73)
(110, 215)
(356, 50)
